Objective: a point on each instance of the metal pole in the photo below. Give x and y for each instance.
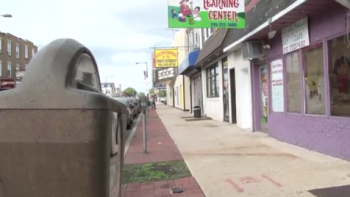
(144, 131)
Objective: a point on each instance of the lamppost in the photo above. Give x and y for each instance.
(145, 72)
(6, 15)
(107, 78)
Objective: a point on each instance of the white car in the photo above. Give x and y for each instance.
(162, 100)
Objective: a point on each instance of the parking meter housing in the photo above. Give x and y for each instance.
(59, 135)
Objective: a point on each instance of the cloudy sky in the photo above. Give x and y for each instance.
(118, 32)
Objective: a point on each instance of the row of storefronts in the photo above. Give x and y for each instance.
(298, 91)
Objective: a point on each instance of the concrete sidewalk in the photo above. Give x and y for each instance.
(230, 162)
(160, 148)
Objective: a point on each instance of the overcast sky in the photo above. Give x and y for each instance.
(118, 32)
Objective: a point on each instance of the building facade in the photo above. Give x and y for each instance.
(176, 90)
(209, 62)
(192, 77)
(109, 89)
(300, 87)
(15, 54)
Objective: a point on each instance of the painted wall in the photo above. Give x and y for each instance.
(178, 83)
(329, 135)
(243, 90)
(169, 95)
(213, 107)
(179, 41)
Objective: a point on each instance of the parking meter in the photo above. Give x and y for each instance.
(59, 135)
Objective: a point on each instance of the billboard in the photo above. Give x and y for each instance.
(165, 58)
(224, 14)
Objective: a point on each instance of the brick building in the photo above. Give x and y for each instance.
(15, 54)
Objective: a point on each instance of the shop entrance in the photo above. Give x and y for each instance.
(225, 96)
(264, 97)
(233, 95)
(197, 93)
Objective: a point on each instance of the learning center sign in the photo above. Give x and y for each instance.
(224, 14)
(165, 58)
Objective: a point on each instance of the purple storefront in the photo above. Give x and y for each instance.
(308, 99)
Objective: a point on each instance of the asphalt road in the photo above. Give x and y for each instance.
(128, 131)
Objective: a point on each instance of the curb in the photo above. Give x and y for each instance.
(128, 141)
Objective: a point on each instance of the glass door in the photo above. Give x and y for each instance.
(264, 98)
(225, 95)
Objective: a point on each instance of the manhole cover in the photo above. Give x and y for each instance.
(176, 190)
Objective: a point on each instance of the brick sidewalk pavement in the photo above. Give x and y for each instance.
(160, 148)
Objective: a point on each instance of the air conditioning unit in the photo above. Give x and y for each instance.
(345, 3)
(253, 50)
(196, 47)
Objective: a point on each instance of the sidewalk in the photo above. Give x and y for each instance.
(160, 148)
(230, 162)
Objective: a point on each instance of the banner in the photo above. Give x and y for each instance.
(224, 14)
(153, 62)
(165, 58)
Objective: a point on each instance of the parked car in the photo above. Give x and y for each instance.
(137, 104)
(135, 110)
(163, 100)
(130, 108)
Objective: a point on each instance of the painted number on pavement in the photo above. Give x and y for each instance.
(238, 186)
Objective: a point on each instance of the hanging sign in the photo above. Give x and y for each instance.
(206, 14)
(165, 58)
(296, 36)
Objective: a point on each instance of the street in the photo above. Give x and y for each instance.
(128, 131)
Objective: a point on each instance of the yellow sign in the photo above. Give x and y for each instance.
(165, 58)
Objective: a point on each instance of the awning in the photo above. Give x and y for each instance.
(256, 17)
(189, 62)
(210, 49)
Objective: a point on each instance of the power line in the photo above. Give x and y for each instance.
(163, 40)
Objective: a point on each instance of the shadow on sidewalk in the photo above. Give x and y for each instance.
(341, 191)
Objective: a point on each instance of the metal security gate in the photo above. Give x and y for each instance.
(198, 93)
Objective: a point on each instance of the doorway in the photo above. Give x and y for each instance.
(233, 95)
(264, 92)
(197, 93)
(226, 95)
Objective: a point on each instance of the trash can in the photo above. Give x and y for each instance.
(197, 111)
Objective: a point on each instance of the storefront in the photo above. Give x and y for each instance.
(210, 62)
(308, 79)
(237, 90)
(191, 93)
(170, 92)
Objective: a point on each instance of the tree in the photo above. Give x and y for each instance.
(151, 91)
(140, 94)
(130, 92)
(162, 93)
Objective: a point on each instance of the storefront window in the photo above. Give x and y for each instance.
(293, 83)
(314, 80)
(339, 76)
(213, 81)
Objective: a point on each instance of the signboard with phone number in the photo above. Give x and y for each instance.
(296, 36)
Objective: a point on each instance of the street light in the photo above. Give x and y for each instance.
(107, 77)
(6, 15)
(146, 67)
(146, 72)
